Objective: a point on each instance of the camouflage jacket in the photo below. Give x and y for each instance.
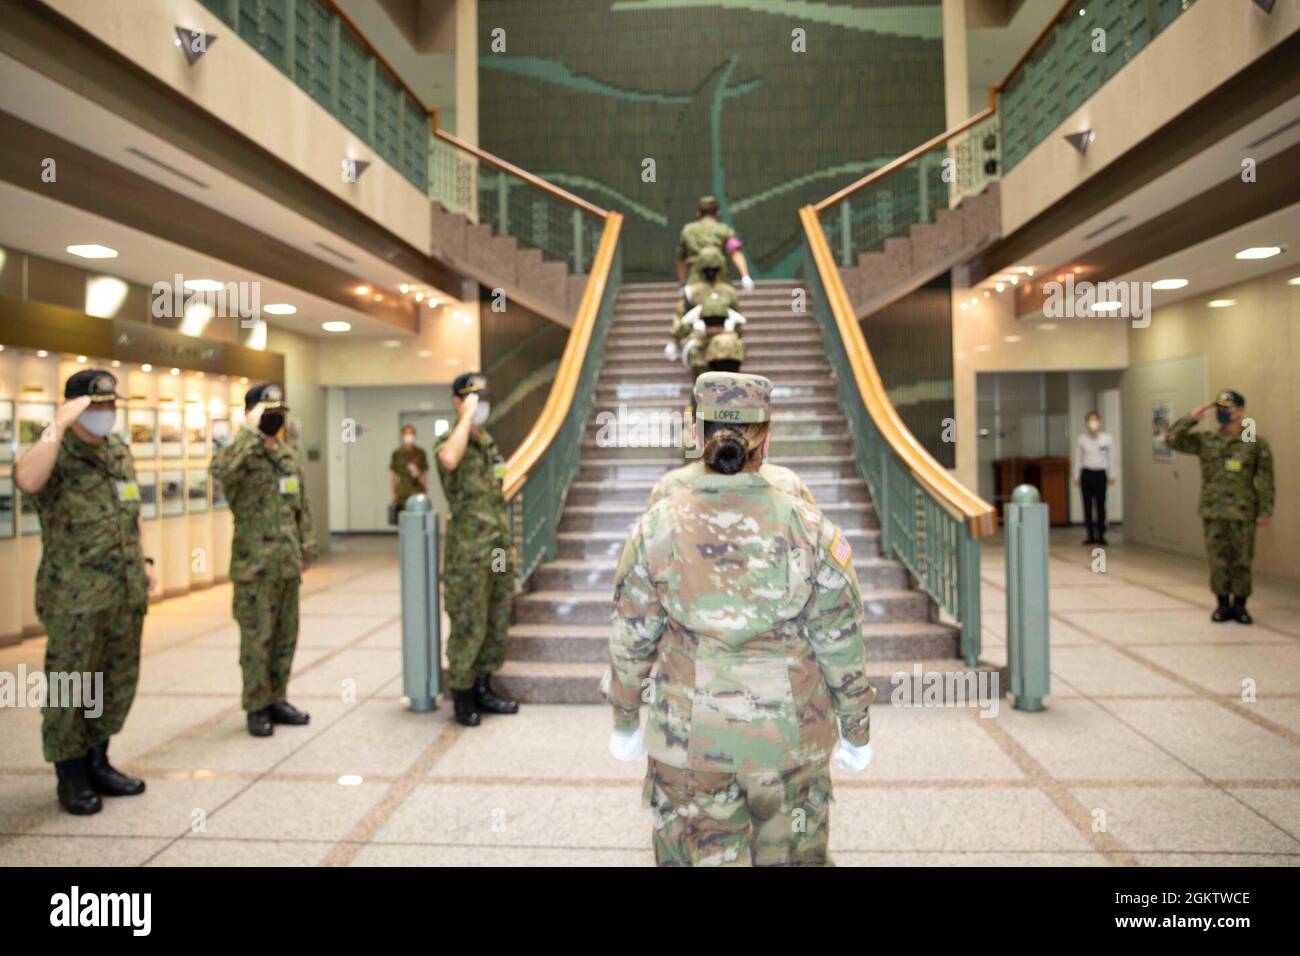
(1236, 475)
(90, 535)
(744, 603)
(406, 485)
(703, 292)
(478, 521)
(705, 231)
(779, 477)
(274, 531)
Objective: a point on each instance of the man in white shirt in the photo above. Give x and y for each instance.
(1096, 464)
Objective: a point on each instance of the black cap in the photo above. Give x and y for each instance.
(268, 394)
(1227, 398)
(101, 386)
(468, 383)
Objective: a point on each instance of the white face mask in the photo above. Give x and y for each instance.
(1094, 425)
(408, 439)
(481, 413)
(98, 422)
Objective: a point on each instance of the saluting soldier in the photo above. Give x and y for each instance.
(92, 587)
(478, 576)
(409, 469)
(274, 541)
(743, 603)
(1236, 495)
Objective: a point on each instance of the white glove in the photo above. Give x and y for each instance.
(627, 745)
(747, 283)
(734, 319)
(670, 351)
(686, 293)
(851, 757)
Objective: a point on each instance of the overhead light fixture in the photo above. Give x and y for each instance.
(1260, 252)
(105, 295)
(1163, 285)
(362, 290)
(81, 360)
(424, 353)
(93, 251)
(42, 354)
(350, 780)
(964, 307)
(1010, 338)
(405, 288)
(197, 317)
(204, 285)
(419, 297)
(1265, 5)
(1221, 303)
(280, 308)
(336, 326)
(392, 344)
(176, 371)
(1295, 281)
(999, 286)
(257, 337)
(116, 363)
(1047, 327)
(1081, 140)
(194, 42)
(353, 168)
(146, 367)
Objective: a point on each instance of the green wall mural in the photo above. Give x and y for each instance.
(722, 97)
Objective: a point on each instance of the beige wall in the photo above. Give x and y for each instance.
(242, 89)
(1194, 55)
(1191, 352)
(306, 395)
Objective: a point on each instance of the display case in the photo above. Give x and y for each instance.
(148, 482)
(171, 492)
(142, 435)
(171, 434)
(196, 490)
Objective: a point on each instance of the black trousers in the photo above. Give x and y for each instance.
(1093, 483)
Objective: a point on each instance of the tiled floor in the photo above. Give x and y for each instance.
(1167, 740)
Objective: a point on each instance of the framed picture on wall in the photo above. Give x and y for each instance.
(171, 436)
(196, 433)
(30, 521)
(6, 432)
(142, 432)
(148, 482)
(32, 419)
(196, 490)
(172, 492)
(7, 508)
(220, 432)
(219, 502)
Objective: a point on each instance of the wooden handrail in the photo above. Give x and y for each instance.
(903, 160)
(499, 163)
(978, 514)
(560, 399)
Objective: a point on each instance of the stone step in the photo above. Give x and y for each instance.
(635, 428)
(808, 468)
(607, 516)
(585, 545)
(769, 319)
(573, 574)
(755, 339)
(777, 371)
(637, 492)
(654, 357)
(787, 392)
(837, 444)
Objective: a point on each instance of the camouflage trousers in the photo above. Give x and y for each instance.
(103, 642)
(267, 612)
(1230, 546)
(759, 818)
(477, 599)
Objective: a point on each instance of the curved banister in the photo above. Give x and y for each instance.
(561, 396)
(977, 513)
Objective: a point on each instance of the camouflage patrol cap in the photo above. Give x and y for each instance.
(733, 397)
(101, 386)
(268, 394)
(711, 257)
(468, 383)
(1228, 398)
(709, 204)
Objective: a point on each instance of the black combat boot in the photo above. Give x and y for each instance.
(76, 795)
(466, 709)
(259, 722)
(1223, 612)
(283, 712)
(489, 701)
(106, 779)
(1239, 611)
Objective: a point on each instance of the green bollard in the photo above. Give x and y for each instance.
(1027, 608)
(417, 532)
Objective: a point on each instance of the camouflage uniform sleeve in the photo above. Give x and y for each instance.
(805, 493)
(228, 466)
(1182, 438)
(638, 623)
(835, 632)
(1264, 490)
(657, 493)
(394, 463)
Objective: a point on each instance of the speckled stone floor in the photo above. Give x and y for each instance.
(1148, 751)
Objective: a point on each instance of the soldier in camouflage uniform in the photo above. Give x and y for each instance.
(743, 603)
(478, 569)
(705, 231)
(275, 539)
(409, 469)
(777, 476)
(1236, 495)
(715, 342)
(92, 587)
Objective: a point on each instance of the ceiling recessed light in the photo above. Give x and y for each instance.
(964, 306)
(362, 290)
(1010, 338)
(93, 251)
(1162, 284)
(999, 286)
(116, 364)
(419, 297)
(1295, 281)
(336, 326)
(378, 297)
(350, 780)
(204, 285)
(81, 359)
(424, 353)
(392, 344)
(280, 308)
(146, 367)
(1221, 303)
(243, 380)
(1259, 252)
(42, 354)
(1047, 327)
(1015, 279)
(176, 371)
(982, 348)
(405, 288)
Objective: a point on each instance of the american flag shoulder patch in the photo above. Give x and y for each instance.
(841, 550)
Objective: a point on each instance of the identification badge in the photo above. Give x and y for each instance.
(127, 491)
(499, 471)
(289, 486)
(1232, 464)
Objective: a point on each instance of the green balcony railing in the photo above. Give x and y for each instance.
(314, 44)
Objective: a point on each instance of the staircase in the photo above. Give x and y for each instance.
(558, 643)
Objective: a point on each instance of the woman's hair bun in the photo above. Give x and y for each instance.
(725, 452)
